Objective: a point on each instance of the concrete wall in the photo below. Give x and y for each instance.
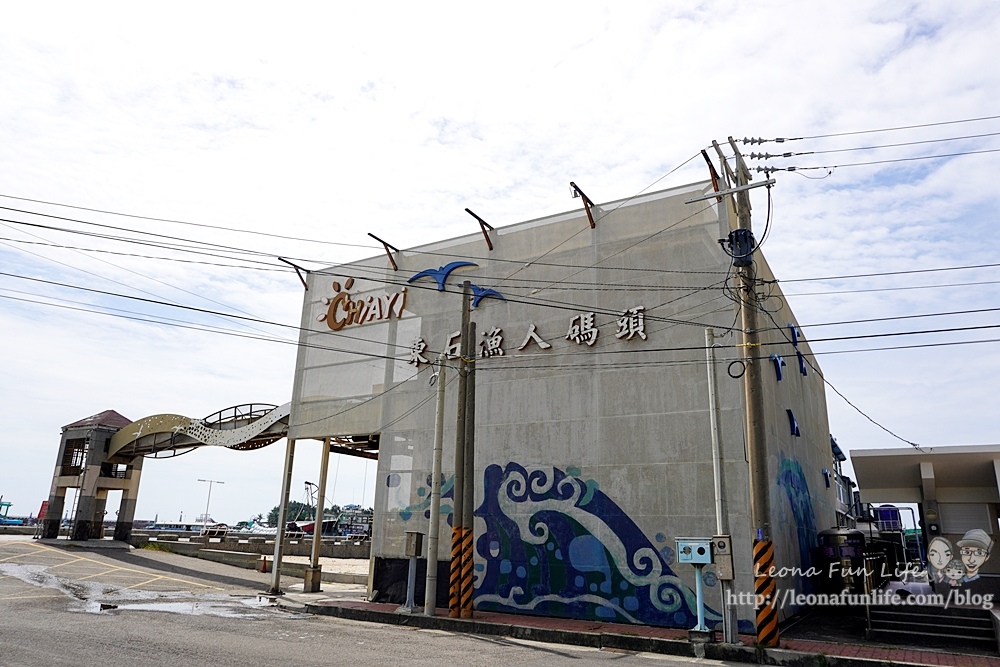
(261, 545)
(802, 500)
(591, 459)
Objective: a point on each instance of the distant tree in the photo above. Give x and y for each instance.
(296, 512)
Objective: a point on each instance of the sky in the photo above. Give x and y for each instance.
(296, 131)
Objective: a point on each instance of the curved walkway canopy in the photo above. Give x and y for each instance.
(244, 427)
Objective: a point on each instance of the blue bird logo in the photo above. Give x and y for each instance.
(480, 293)
(441, 273)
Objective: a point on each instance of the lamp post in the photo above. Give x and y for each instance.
(209, 501)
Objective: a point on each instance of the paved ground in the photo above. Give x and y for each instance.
(109, 580)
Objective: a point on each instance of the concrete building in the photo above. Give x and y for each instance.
(593, 436)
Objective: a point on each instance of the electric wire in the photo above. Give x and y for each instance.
(892, 318)
(784, 334)
(891, 273)
(138, 256)
(884, 129)
(536, 261)
(768, 170)
(530, 360)
(768, 156)
(895, 289)
(112, 280)
(192, 224)
(134, 272)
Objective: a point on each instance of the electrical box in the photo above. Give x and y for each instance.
(722, 552)
(414, 544)
(694, 550)
(741, 246)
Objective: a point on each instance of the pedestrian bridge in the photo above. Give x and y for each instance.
(104, 453)
(242, 427)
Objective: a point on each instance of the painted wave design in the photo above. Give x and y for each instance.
(555, 544)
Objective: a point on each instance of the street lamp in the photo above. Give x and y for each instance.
(208, 502)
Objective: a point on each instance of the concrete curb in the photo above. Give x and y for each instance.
(625, 642)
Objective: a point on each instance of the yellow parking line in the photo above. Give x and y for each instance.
(97, 574)
(143, 583)
(124, 569)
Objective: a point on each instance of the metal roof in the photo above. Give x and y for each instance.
(106, 418)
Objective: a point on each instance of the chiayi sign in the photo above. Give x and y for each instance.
(583, 330)
(342, 310)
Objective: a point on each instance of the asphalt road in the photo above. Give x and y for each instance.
(104, 608)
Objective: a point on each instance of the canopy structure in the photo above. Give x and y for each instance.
(945, 474)
(248, 426)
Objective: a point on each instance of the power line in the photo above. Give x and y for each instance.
(134, 272)
(576, 286)
(769, 170)
(198, 310)
(216, 248)
(891, 273)
(554, 305)
(884, 129)
(204, 245)
(183, 222)
(784, 334)
(769, 156)
(138, 256)
(266, 234)
(895, 289)
(895, 317)
(509, 363)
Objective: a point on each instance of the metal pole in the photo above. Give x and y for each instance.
(699, 580)
(321, 499)
(204, 519)
(430, 588)
(729, 622)
(720, 519)
(312, 581)
(458, 487)
(279, 537)
(469, 504)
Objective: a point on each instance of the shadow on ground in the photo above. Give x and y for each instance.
(170, 563)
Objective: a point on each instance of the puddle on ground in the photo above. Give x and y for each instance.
(97, 598)
(224, 607)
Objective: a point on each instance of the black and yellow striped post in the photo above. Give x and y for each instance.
(765, 593)
(467, 565)
(455, 574)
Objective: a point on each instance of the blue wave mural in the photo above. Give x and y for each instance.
(556, 545)
(793, 481)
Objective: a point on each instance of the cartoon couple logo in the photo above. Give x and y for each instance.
(974, 549)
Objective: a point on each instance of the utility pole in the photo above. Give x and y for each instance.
(458, 488)
(434, 528)
(742, 247)
(469, 503)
